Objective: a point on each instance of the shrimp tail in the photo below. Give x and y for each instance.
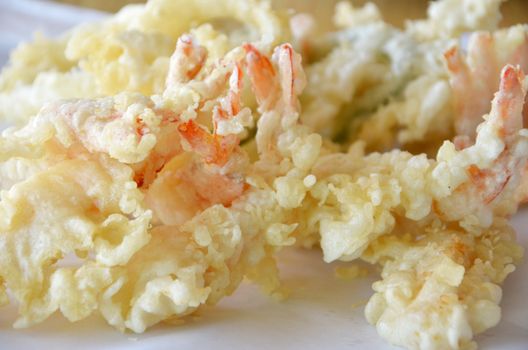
(507, 106)
(292, 78)
(186, 62)
(262, 75)
(215, 149)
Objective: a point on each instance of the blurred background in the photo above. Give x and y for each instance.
(20, 19)
(515, 11)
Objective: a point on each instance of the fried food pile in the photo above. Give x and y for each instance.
(176, 147)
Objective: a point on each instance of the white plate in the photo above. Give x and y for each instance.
(321, 312)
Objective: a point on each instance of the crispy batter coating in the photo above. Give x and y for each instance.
(440, 285)
(78, 206)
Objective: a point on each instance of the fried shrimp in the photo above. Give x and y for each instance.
(469, 186)
(220, 241)
(474, 78)
(201, 207)
(493, 168)
(193, 147)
